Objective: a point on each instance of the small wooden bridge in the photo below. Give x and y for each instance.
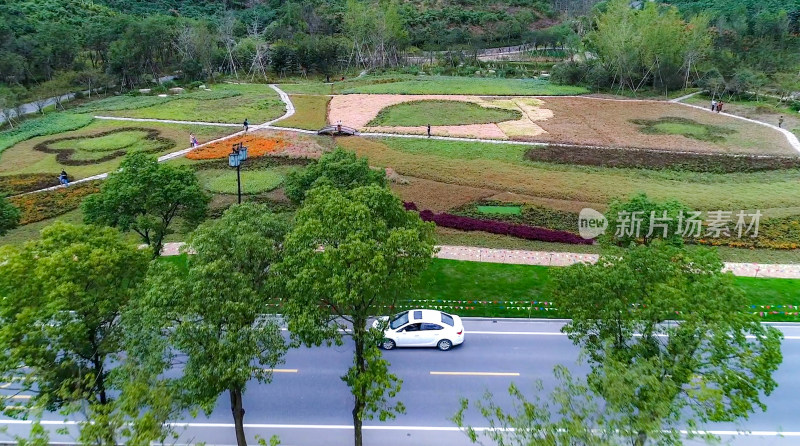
(337, 130)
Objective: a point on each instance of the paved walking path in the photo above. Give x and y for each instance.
(543, 258)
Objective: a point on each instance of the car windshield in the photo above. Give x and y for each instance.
(447, 319)
(399, 320)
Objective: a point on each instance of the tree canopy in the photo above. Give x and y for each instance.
(62, 297)
(9, 216)
(211, 317)
(146, 197)
(350, 256)
(340, 169)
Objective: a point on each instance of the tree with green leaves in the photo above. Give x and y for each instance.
(643, 220)
(60, 330)
(670, 347)
(9, 216)
(146, 197)
(210, 315)
(340, 169)
(349, 257)
(668, 338)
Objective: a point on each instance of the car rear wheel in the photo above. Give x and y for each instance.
(444, 345)
(387, 344)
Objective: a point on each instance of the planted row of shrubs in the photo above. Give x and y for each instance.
(499, 227)
(660, 159)
(43, 205)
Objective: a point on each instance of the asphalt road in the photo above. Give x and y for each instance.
(307, 403)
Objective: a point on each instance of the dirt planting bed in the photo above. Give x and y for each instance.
(438, 196)
(609, 123)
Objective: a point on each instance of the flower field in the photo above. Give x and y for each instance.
(43, 205)
(257, 145)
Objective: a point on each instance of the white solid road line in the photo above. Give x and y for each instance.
(552, 333)
(476, 373)
(383, 428)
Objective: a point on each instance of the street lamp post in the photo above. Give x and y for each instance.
(235, 159)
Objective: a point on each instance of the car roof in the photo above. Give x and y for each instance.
(427, 316)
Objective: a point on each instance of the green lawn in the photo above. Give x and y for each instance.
(226, 103)
(503, 210)
(318, 88)
(50, 124)
(503, 290)
(498, 289)
(435, 112)
(468, 86)
(23, 159)
(253, 181)
(311, 112)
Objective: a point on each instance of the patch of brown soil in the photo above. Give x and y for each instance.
(552, 203)
(585, 121)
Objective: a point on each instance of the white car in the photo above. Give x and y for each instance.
(421, 328)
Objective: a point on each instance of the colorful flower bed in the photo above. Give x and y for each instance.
(499, 227)
(28, 182)
(257, 145)
(43, 205)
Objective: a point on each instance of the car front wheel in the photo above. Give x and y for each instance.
(387, 344)
(444, 345)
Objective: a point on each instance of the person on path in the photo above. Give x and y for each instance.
(192, 140)
(719, 106)
(246, 125)
(429, 130)
(713, 105)
(780, 122)
(339, 126)
(64, 178)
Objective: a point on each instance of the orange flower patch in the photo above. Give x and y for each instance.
(257, 145)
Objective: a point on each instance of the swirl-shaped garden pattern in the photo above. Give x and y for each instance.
(104, 146)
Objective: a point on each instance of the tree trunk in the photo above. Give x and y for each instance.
(358, 397)
(238, 416)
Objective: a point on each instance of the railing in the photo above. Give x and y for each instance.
(337, 130)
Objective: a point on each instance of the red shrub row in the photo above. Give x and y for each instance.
(498, 227)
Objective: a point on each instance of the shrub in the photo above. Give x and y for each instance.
(498, 227)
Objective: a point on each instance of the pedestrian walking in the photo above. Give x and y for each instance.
(63, 178)
(719, 106)
(192, 140)
(246, 125)
(713, 105)
(780, 122)
(429, 130)
(339, 126)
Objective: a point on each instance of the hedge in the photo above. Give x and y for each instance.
(498, 227)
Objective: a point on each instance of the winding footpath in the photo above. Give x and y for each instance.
(468, 253)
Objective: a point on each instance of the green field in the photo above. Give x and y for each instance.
(225, 103)
(468, 86)
(311, 112)
(22, 158)
(253, 181)
(50, 124)
(501, 167)
(435, 112)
